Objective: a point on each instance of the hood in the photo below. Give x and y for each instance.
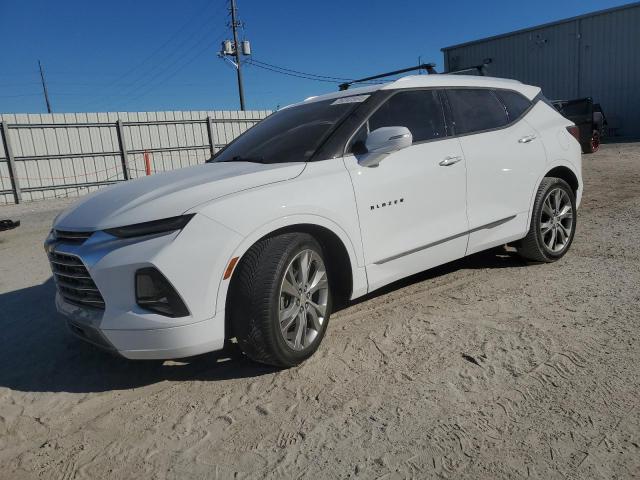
(169, 194)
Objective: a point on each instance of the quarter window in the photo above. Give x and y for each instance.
(418, 110)
(357, 142)
(515, 103)
(475, 110)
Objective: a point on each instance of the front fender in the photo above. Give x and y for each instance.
(358, 272)
(322, 195)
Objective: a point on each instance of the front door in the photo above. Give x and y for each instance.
(412, 206)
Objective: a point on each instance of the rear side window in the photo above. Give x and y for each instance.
(418, 110)
(475, 110)
(515, 103)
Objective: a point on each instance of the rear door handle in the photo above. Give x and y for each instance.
(527, 139)
(448, 161)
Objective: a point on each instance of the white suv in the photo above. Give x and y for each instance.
(327, 199)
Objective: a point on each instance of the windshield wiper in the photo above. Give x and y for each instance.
(239, 158)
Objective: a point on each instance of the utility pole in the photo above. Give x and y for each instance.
(44, 88)
(234, 26)
(233, 48)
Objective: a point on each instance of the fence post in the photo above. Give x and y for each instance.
(147, 163)
(15, 183)
(123, 150)
(212, 140)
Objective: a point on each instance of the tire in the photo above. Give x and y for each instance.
(259, 297)
(594, 143)
(540, 243)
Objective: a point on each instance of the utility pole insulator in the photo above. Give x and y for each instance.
(227, 48)
(246, 47)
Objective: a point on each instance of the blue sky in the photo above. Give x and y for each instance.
(147, 55)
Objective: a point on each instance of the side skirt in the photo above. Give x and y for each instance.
(444, 240)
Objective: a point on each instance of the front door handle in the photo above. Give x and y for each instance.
(527, 139)
(448, 161)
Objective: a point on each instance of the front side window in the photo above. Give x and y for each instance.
(292, 134)
(475, 110)
(418, 110)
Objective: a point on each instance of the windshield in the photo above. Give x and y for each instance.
(289, 135)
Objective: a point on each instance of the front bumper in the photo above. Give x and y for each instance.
(155, 344)
(187, 259)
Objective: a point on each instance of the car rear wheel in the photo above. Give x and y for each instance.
(553, 222)
(280, 300)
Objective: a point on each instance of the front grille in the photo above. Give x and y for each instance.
(74, 282)
(75, 238)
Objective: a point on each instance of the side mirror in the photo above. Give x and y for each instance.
(383, 141)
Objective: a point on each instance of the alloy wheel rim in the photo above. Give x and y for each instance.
(556, 220)
(304, 293)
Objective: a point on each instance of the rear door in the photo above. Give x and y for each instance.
(412, 206)
(504, 158)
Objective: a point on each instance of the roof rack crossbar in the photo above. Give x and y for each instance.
(429, 67)
(481, 69)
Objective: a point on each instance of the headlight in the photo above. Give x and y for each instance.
(165, 225)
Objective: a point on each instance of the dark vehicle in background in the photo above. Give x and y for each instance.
(9, 224)
(588, 117)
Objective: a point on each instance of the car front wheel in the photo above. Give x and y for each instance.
(280, 300)
(553, 222)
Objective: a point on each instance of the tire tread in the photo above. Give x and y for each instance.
(529, 247)
(252, 291)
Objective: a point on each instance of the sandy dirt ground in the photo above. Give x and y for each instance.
(484, 368)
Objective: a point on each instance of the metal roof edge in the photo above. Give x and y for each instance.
(544, 25)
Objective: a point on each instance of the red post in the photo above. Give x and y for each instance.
(147, 163)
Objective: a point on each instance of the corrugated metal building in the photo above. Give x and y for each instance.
(595, 55)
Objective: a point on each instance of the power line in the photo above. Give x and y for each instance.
(253, 60)
(93, 85)
(163, 45)
(307, 76)
(161, 73)
(250, 62)
(19, 85)
(22, 95)
(22, 73)
(173, 73)
(137, 86)
(154, 72)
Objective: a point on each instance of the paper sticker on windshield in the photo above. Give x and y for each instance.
(351, 99)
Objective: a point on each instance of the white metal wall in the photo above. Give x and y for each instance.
(55, 154)
(595, 55)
